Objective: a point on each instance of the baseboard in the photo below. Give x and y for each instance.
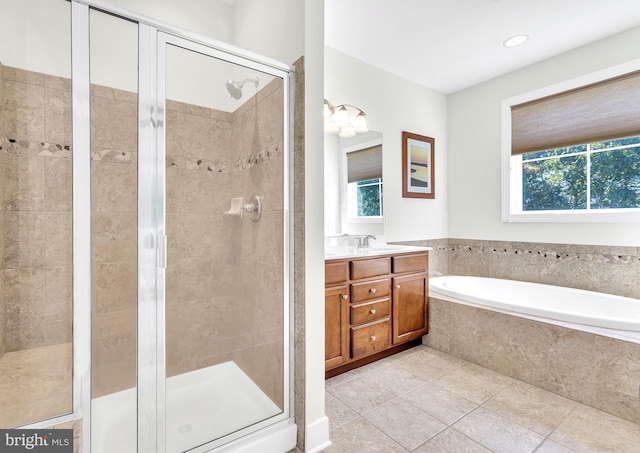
(317, 436)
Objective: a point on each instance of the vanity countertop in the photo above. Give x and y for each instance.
(335, 252)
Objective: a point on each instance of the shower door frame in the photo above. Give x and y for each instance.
(151, 370)
(153, 106)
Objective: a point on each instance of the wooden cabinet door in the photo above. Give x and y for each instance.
(410, 299)
(336, 326)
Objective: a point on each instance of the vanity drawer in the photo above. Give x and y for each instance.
(373, 289)
(370, 338)
(370, 311)
(335, 272)
(410, 263)
(370, 268)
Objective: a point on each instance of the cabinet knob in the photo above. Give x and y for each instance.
(373, 311)
(373, 338)
(397, 286)
(373, 290)
(345, 296)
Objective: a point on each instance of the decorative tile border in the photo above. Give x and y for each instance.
(246, 162)
(607, 269)
(192, 163)
(34, 148)
(113, 155)
(264, 155)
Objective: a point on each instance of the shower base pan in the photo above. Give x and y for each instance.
(202, 406)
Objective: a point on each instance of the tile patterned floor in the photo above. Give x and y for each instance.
(426, 401)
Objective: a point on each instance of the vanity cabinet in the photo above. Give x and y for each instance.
(336, 315)
(374, 307)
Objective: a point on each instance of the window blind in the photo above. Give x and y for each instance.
(601, 111)
(364, 164)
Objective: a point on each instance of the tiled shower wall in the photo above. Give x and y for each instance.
(224, 287)
(224, 272)
(114, 160)
(257, 141)
(607, 269)
(2, 176)
(224, 278)
(35, 138)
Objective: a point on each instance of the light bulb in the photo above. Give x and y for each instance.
(347, 132)
(360, 123)
(341, 117)
(327, 111)
(330, 127)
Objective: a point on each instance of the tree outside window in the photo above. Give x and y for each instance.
(596, 176)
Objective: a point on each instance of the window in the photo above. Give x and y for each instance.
(601, 175)
(572, 152)
(364, 183)
(365, 198)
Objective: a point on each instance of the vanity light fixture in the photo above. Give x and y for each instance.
(338, 121)
(515, 40)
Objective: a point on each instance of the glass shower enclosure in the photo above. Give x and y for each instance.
(176, 203)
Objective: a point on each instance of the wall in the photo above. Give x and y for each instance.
(408, 107)
(37, 209)
(223, 285)
(332, 181)
(114, 239)
(310, 185)
(2, 176)
(28, 41)
(210, 18)
(273, 28)
(474, 176)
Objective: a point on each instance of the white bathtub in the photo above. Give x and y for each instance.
(557, 303)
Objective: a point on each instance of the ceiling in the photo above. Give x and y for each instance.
(448, 45)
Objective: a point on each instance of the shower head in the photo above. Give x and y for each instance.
(235, 88)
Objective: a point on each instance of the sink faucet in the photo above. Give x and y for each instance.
(363, 241)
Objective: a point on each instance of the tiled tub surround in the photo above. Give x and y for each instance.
(606, 269)
(597, 370)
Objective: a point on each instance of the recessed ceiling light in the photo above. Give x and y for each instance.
(515, 40)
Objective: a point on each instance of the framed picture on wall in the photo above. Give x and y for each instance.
(418, 172)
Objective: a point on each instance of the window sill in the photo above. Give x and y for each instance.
(595, 216)
(377, 219)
